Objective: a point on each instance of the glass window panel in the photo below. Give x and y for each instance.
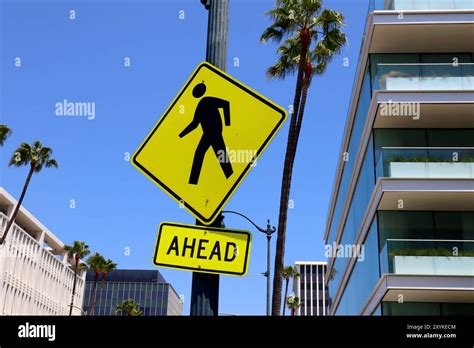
(405, 225)
(423, 233)
(356, 134)
(454, 225)
(384, 66)
(457, 308)
(399, 138)
(363, 278)
(421, 71)
(450, 137)
(411, 308)
(357, 210)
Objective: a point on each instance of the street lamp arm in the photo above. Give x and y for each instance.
(82, 311)
(246, 218)
(269, 231)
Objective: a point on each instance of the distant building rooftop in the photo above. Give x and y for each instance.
(131, 275)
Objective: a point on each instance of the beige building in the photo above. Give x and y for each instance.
(36, 277)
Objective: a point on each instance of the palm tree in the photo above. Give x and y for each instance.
(293, 304)
(289, 272)
(38, 157)
(106, 267)
(129, 307)
(94, 263)
(5, 132)
(301, 23)
(77, 251)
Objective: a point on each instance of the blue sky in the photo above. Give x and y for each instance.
(116, 207)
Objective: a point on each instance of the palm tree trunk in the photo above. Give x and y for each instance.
(20, 201)
(104, 278)
(92, 298)
(101, 288)
(285, 190)
(304, 96)
(73, 287)
(286, 295)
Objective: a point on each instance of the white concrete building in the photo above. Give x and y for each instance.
(36, 277)
(311, 289)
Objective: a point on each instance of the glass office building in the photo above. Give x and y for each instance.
(404, 187)
(148, 288)
(310, 288)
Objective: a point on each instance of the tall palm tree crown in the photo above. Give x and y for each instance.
(38, 157)
(107, 266)
(293, 303)
(129, 307)
(77, 251)
(5, 132)
(311, 36)
(289, 272)
(95, 263)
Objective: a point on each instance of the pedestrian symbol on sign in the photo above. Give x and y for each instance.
(207, 115)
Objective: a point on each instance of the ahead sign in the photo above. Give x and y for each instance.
(207, 141)
(203, 249)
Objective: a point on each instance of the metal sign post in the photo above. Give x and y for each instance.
(205, 287)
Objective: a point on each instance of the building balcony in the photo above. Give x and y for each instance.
(408, 5)
(420, 288)
(428, 162)
(424, 77)
(412, 268)
(429, 29)
(421, 109)
(428, 257)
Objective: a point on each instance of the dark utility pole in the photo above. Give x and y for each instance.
(217, 24)
(205, 287)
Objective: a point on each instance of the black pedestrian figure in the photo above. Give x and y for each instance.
(207, 115)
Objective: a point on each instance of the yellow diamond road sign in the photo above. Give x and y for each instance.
(203, 249)
(207, 141)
